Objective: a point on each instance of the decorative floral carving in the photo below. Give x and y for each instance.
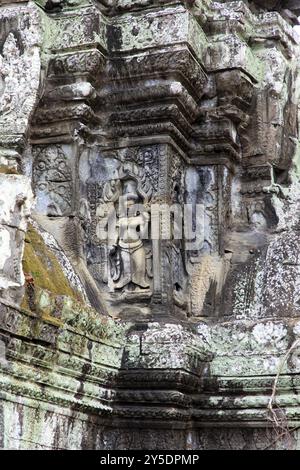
(19, 69)
(53, 180)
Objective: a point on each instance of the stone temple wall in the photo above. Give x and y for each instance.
(149, 224)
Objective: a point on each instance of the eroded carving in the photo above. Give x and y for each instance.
(53, 181)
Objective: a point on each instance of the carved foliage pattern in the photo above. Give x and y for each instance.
(53, 180)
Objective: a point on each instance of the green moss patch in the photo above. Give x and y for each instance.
(42, 270)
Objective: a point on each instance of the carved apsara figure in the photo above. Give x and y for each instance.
(128, 259)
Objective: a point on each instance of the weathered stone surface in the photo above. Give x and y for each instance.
(16, 204)
(20, 65)
(149, 222)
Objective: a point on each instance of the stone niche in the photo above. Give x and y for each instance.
(149, 222)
